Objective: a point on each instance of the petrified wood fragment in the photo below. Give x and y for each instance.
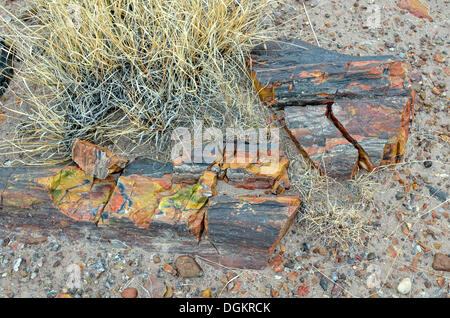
(77, 195)
(27, 205)
(343, 112)
(249, 225)
(96, 161)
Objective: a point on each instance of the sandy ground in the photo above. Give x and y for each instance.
(403, 198)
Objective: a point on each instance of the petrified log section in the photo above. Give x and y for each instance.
(143, 207)
(343, 112)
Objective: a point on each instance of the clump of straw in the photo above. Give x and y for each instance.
(134, 70)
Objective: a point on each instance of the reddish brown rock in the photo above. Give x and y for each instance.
(441, 262)
(343, 112)
(251, 166)
(129, 293)
(416, 7)
(249, 225)
(187, 267)
(96, 161)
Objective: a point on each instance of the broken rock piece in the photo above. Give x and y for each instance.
(96, 161)
(252, 167)
(188, 168)
(138, 192)
(416, 7)
(343, 112)
(78, 195)
(184, 209)
(249, 224)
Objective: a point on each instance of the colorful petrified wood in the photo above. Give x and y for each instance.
(249, 224)
(321, 140)
(255, 166)
(138, 192)
(343, 112)
(96, 161)
(78, 195)
(294, 73)
(188, 168)
(183, 209)
(145, 195)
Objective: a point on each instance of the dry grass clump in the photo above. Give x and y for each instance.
(132, 69)
(334, 212)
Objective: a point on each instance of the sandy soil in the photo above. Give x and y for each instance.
(403, 196)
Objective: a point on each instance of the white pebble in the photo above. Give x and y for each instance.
(404, 287)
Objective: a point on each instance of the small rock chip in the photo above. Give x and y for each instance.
(17, 264)
(427, 164)
(129, 293)
(323, 283)
(336, 291)
(187, 267)
(441, 262)
(404, 287)
(156, 259)
(437, 193)
(155, 287)
(371, 256)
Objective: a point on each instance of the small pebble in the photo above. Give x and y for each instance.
(404, 287)
(129, 293)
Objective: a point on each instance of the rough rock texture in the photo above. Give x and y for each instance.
(96, 161)
(143, 207)
(77, 195)
(240, 165)
(343, 112)
(441, 262)
(249, 224)
(187, 267)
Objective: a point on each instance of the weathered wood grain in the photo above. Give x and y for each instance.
(294, 73)
(249, 225)
(343, 112)
(57, 200)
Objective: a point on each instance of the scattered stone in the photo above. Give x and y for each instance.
(323, 283)
(371, 256)
(404, 287)
(437, 193)
(156, 259)
(16, 264)
(187, 267)
(441, 262)
(336, 291)
(129, 293)
(155, 287)
(389, 45)
(374, 279)
(415, 77)
(427, 164)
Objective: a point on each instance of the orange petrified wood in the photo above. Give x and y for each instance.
(343, 112)
(96, 161)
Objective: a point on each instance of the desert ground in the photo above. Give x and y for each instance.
(409, 215)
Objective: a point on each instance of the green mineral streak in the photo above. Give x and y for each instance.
(67, 173)
(56, 193)
(186, 197)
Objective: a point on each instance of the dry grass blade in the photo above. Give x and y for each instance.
(132, 69)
